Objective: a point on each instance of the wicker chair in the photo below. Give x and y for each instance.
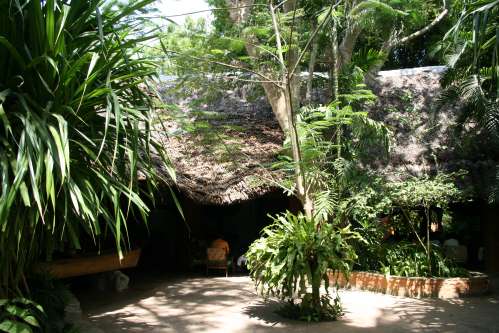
(216, 258)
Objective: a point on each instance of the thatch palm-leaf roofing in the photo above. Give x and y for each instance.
(222, 151)
(427, 139)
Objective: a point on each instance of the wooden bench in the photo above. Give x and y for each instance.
(64, 268)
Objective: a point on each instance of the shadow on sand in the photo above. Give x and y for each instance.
(200, 304)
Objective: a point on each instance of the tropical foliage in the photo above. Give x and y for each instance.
(473, 62)
(473, 74)
(75, 127)
(410, 259)
(295, 253)
(410, 208)
(326, 144)
(21, 315)
(76, 131)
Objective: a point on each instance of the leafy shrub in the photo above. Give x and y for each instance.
(21, 315)
(294, 253)
(409, 204)
(409, 259)
(75, 127)
(43, 312)
(53, 296)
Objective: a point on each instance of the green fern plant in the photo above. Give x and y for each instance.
(295, 253)
(333, 141)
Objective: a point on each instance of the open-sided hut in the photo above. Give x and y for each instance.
(223, 152)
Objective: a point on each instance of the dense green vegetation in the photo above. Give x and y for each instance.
(76, 131)
(295, 251)
(75, 128)
(44, 312)
(408, 207)
(327, 148)
(472, 50)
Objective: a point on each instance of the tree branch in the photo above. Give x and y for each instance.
(421, 32)
(262, 76)
(311, 38)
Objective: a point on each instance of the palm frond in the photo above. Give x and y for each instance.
(75, 130)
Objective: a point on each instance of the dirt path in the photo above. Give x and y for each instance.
(231, 305)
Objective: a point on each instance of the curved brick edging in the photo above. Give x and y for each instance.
(477, 284)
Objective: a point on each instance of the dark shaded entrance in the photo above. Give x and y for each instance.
(175, 245)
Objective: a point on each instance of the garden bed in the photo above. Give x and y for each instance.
(475, 285)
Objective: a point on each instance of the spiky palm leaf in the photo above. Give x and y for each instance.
(74, 127)
(473, 75)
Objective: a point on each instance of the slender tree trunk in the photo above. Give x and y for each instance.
(335, 61)
(283, 95)
(301, 186)
(311, 64)
(428, 243)
(291, 59)
(291, 91)
(334, 82)
(316, 283)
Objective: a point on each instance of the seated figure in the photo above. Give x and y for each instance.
(220, 243)
(217, 256)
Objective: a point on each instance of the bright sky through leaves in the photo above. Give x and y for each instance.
(175, 7)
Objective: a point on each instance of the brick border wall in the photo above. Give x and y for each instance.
(416, 287)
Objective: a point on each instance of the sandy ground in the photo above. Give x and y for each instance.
(218, 304)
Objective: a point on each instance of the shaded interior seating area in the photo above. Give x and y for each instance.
(216, 259)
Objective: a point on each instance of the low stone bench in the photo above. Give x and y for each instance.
(475, 285)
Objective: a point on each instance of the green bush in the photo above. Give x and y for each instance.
(44, 311)
(292, 258)
(409, 204)
(75, 127)
(21, 315)
(330, 309)
(53, 296)
(410, 260)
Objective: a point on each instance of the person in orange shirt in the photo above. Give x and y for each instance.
(221, 244)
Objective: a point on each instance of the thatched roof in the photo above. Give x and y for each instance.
(222, 152)
(427, 140)
(406, 100)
